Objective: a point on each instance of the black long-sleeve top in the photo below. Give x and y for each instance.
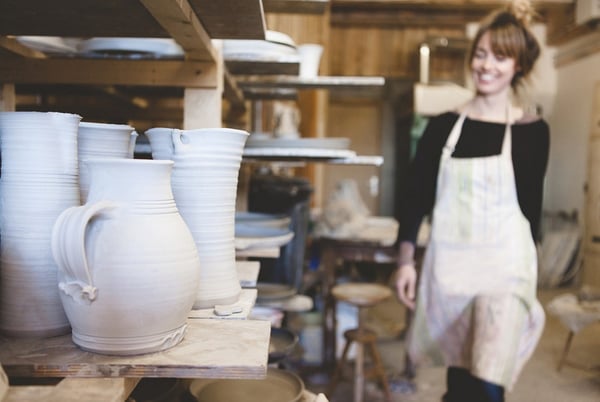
(530, 149)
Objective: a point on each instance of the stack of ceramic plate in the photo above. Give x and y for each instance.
(50, 44)
(276, 47)
(249, 236)
(298, 147)
(133, 48)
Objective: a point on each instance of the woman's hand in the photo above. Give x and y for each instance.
(406, 280)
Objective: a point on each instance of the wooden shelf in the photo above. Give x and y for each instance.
(210, 349)
(249, 67)
(191, 23)
(231, 19)
(319, 82)
(171, 73)
(360, 160)
(296, 6)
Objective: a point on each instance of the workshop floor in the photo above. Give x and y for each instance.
(540, 381)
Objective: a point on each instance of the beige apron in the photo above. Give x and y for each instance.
(477, 305)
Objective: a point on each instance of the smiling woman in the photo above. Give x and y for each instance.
(479, 172)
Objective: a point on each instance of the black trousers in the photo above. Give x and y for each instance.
(463, 387)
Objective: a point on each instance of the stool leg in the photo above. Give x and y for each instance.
(563, 357)
(337, 373)
(380, 370)
(359, 378)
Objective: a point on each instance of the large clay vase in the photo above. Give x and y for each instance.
(128, 265)
(102, 140)
(204, 181)
(39, 180)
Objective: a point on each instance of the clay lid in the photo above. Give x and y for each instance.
(361, 294)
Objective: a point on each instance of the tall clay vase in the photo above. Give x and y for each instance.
(128, 265)
(204, 181)
(102, 140)
(39, 180)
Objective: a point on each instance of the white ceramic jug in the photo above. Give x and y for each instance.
(204, 181)
(128, 265)
(39, 181)
(102, 140)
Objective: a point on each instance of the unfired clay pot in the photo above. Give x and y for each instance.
(128, 265)
(204, 181)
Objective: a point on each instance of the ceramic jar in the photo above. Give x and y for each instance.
(204, 181)
(102, 140)
(39, 180)
(128, 265)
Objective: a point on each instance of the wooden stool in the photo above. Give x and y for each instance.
(362, 295)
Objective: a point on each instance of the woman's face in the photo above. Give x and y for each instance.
(492, 73)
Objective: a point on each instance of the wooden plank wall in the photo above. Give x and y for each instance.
(391, 52)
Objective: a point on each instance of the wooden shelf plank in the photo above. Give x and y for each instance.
(78, 18)
(319, 82)
(210, 349)
(174, 73)
(231, 19)
(247, 67)
(131, 18)
(75, 390)
(296, 6)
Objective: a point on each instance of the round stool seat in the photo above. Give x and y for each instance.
(361, 335)
(361, 294)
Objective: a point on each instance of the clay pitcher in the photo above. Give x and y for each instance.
(128, 265)
(39, 181)
(204, 181)
(102, 140)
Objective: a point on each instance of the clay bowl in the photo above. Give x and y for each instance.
(281, 344)
(278, 386)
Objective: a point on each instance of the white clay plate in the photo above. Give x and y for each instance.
(298, 153)
(254, 236)
(131, 47)
(262, 219)
(49, 44)
(317, 143)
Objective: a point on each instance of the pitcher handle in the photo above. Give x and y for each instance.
(68, 250)
(132, 140)
(180, 141)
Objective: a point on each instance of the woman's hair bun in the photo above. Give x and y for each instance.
(522, 10)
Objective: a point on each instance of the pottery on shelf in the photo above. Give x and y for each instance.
(39, 180)
(102, 140)
(204, 181)
(128, 265)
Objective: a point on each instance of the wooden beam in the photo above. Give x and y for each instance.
(179, 20)
(15, 47)
(562, 28)
(175, 73)
(579, 48)
(7, 98)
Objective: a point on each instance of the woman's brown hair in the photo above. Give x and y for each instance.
(510, 37)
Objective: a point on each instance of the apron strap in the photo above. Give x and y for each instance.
(450, 144)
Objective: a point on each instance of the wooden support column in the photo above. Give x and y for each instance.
(8, 101)
(202, 108)
(313, 105)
